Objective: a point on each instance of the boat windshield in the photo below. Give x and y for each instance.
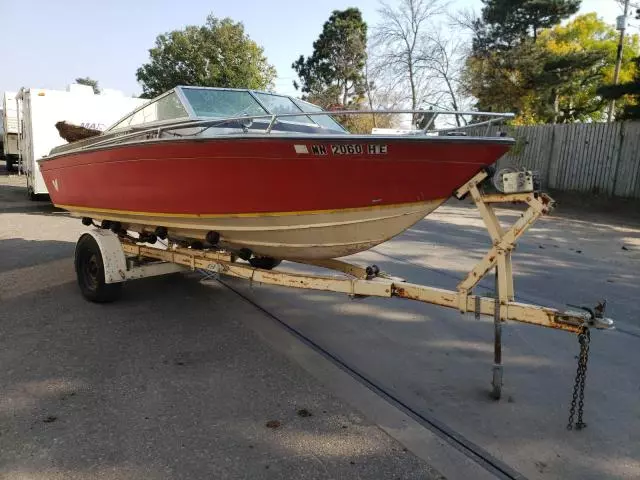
(165, 108)
(208, 102)
(280, 104)
(219, 103)
(222, 103)
(326, 121)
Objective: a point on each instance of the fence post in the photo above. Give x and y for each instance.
(553, 144)
(619, 157)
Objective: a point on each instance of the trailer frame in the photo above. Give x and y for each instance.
(104, 260)
(124, 259)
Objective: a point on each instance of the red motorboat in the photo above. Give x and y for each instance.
(266, 175)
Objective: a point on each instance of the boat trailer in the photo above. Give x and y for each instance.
(104, 260)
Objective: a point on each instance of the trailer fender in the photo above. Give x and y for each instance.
(113, 259)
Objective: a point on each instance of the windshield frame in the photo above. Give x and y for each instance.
(341, 127)
(114, 127)
(256, 94)
(192, 115)
(195, 114)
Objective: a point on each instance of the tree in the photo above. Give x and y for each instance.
(369, 87)
(547, 78)
(334, 71)
(89, 82)
(505, 23)
(363, 122)
(504, 57)
(217, 54)
(381, 92)
(577, 58)
(627, 90)
(565, 87)
(500, 81)
(379, 95)
(443, 56)
(401, 36)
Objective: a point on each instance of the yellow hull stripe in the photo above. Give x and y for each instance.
(244, 215)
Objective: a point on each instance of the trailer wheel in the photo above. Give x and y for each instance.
(265, 263)
(89, 267)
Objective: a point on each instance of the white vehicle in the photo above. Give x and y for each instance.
(78, 105)
(10, 128)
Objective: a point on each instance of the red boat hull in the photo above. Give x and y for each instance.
(287, 198)
(240, 176)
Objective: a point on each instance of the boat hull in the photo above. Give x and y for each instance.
(280, 196)
(311, 235)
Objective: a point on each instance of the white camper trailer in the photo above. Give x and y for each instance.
(78, 105)
(10, 128)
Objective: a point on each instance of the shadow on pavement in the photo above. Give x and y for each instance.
(19, 253)
(168, 383)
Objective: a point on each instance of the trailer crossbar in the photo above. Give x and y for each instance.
(223, 263)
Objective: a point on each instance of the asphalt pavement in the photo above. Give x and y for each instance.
(180, 379)
(439, 362)
(167, 383)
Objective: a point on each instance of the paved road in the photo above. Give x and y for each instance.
(168, 383)
(433, 359)
(439, 362)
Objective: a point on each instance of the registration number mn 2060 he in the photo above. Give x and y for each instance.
(350, 149)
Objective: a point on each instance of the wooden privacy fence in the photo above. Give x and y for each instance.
(602, 158)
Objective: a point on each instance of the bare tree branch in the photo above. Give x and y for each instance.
(465, 19)
(400, 38)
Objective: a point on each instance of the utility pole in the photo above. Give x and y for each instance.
(621, 23)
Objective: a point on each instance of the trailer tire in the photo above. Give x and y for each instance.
(89, 267)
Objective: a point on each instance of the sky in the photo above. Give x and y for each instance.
(49, 43)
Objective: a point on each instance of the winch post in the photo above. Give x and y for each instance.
(503, 242)
(496, 382)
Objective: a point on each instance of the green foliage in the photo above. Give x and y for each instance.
(505, 60)
(217, 54)
(499, 80)
(578, 58)
(89, 82)
(505, 23)
(554, 79)
(629, 91)
(334, 71)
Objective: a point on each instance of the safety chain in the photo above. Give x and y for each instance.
(581, 375)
